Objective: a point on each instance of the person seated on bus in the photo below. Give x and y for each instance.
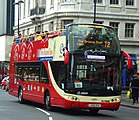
(79, 33)
(97, 35)
(43, 35)
(17, 38)
(23, 39)
(27, 38)
(46, 33)
(38, 36)
(109, 34)
(63, 33)
(14, 41)
(84, 33)
(24, 76)
(90, 35)
(31, 37)
(36, 78)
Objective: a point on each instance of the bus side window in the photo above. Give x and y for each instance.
(34, 74)
(24, 75)
(44, 75)
(37, 74)
(18, 72)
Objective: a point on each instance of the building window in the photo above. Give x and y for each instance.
(129, 30)
(28, 7)
(42, 5)
(69, 0)
(114, 1)
(99, 22)
(28, 31)
(23, 32)
(65, 22)
(51, 26)
(24, 13)
(115, 26)
(20, 12)
(52, 2)
(38, 28)
(129, 2)
(98, 1)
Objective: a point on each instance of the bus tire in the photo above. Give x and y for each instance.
(94, 111)
(47, 102)
(20, 96)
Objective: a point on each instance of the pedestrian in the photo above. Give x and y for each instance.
(135, 88)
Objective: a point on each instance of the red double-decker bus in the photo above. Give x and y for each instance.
(79, 68)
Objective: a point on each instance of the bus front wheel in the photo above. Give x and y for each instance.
(48, 101)
(20, 96)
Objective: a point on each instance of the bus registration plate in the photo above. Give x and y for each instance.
(94, 105)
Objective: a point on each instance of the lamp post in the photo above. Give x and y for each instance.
(94, 11)
(18, 3)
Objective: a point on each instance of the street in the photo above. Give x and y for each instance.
(10, 109)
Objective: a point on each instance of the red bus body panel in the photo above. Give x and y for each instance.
(34, 91)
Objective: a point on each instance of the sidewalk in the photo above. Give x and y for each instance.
(128, 102)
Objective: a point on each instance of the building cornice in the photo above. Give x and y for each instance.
(129, 42)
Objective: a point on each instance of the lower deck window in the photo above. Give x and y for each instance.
(31, 71)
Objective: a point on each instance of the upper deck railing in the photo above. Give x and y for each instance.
(38, 36)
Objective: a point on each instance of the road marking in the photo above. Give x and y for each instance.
(43, 111)
(50, 118)
(48, 114)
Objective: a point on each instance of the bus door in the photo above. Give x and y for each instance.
(13, 80)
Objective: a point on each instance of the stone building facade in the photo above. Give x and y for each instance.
(51, 15)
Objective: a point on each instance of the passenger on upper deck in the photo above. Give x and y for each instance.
(80, 33)
(43, 35)
(84, 33)
(31, 37)
(109, 34)
(38, 36)
(46, 34)
(90, 35)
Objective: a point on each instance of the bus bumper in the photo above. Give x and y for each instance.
(90, 105)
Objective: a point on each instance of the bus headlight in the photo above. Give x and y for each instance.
(73, 98)
(115, 100)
